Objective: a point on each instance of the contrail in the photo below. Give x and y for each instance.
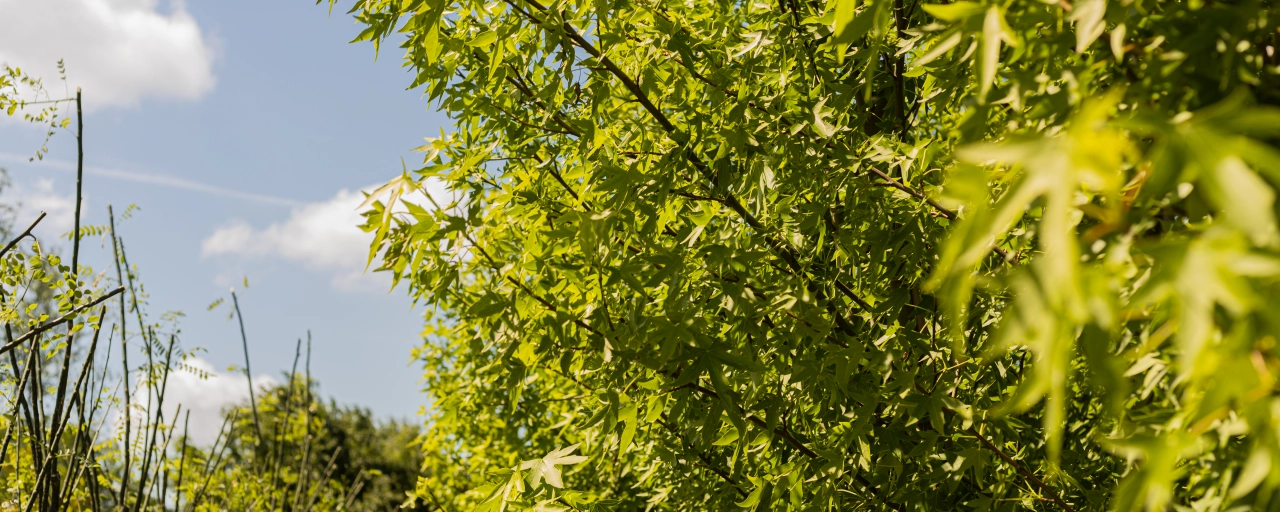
(153, 179)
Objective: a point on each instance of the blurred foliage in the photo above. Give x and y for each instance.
(369, 462)
(842, 255)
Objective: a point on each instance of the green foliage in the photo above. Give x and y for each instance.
(19, 91)
(860, 255)
(367, 463)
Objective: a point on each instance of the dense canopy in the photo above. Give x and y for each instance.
(853, 255)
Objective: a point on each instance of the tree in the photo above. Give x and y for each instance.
(860, 255)
(360, 463)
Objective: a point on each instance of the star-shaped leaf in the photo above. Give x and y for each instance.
(546, 466)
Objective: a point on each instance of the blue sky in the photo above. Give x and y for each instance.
(243, 130)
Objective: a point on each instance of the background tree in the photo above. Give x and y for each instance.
(370, 463)
(843, 255)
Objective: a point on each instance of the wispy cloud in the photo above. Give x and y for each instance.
(42, 196)
(152, 179)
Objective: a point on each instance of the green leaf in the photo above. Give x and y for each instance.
(483, 39)
(627, 414)
(1246, 200)
(943, 46)
(819, 120)
(752, 499)
(955, 11)
(1088, 16)
(727, 436)
(393, 189)
(1255, 470)
(1117, 41)
(546, 467)
(654, 408)
(992, 32)
(849, 25)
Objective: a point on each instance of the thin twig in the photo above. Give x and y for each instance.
(327, 473)
(68, 316)
(303, 468)
(211, 463)
(75, 233)
(144, 493)
(124, 356)
(1053, 495)
(244, 340)
(182, 463)
(278, 444)
(24, 234)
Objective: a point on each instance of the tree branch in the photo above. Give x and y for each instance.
(54, 323)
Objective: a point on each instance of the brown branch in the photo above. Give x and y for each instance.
(556, 174)
(696, 197)
(75, 233)
(1053, 495)
(706, 463)
(23, 235)
(512, 117)
(785, 434)
(555, 116)
(54, 323)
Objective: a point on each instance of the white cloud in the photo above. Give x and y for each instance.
(40, 195)
(204, 397)
(321, 236)
(119, 51)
